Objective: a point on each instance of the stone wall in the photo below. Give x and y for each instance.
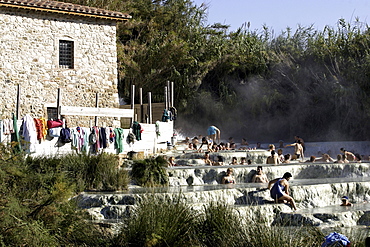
(29, 49)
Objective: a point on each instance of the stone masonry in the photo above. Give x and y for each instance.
(29, 47)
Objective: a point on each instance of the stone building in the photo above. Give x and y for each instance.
(46, 45)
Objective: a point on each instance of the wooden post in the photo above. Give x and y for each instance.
(150, 107)
(141, 105)
(132, 96)
(58, 103)
(168, 94)
(96, 105)
(165, 99)
(133, 102)
(172, 93)
(17, 110)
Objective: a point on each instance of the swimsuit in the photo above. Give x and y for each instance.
(211, 130)
(277, 190)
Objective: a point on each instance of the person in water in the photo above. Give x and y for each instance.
(260, 176)
(214, 133)
(229, 178)
(244, 142)
(325, 158)
(279, 190)
(345, 201)
(350, 156)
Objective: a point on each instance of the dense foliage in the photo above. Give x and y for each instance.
(250, 83)
(36, 210)
(35, 205)
(150, 172)
(157, 222)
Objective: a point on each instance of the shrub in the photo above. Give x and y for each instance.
(98, 172)
(159, 223)
(221, 226)
(150, 172)
(34, 205)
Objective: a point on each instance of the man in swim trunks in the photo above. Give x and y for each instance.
(214, 133)
(298, 149)
(260, 176)
(280, 190)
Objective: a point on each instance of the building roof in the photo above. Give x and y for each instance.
(64, 8)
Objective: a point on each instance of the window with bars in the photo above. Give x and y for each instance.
(52, 112)
(66, 55)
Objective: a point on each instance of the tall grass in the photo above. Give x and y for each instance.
(164, 223)
(220, 225)
(35, 209)
(150, 172)
(160, 223)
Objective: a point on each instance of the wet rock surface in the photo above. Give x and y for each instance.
(316, 187)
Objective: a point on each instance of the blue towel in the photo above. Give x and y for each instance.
(335, 238)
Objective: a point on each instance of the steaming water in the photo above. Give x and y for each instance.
(353, 178)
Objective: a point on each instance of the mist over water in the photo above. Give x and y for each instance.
(307, 101)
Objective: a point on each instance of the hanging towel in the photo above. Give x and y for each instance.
(29, 133)
(15, 135)
(136, 129)
(103, 137)
(118, 144)
(39, 129)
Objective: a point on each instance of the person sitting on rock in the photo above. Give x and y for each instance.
(234, 161)
(206, 142)
(191, 146)
(221, 146)
(279, 190)
(207, 159)
(243, 161)
(287, 158)
(280, 155)
(220, 161)
(345, 201)
(171, 161)
(260, 176)
(195, 141)
(273, 159)
(215, 147)
(229, 178)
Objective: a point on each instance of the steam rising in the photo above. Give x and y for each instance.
(309, 101)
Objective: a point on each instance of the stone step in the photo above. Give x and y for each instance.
(270, 214)
(307, 194)
(327, 217)
(201, 175)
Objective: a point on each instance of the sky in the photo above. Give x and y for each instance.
(280, 14)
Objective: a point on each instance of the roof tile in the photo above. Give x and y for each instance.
(67, 7)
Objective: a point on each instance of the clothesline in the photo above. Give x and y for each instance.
(82, 139)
